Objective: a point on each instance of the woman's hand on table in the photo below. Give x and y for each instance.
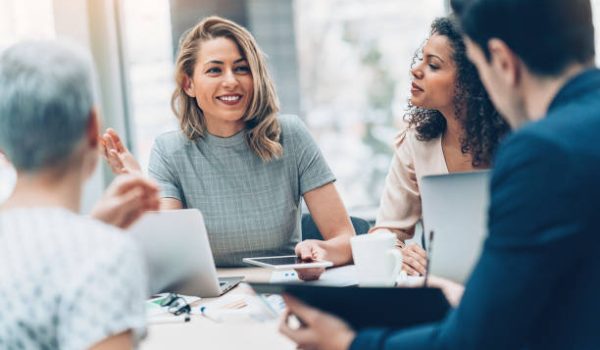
(310, 250)
(414, 260)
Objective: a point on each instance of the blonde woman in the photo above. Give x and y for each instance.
(234, 158)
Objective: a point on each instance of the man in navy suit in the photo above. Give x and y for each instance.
(537, 283)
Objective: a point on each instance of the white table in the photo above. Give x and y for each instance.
(202, 333)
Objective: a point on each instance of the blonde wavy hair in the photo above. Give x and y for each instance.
(263, 129)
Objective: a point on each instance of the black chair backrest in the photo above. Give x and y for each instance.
(310, 230)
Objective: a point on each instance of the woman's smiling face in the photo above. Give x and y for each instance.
(222, 84)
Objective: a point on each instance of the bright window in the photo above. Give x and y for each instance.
(149, 50)
(19, 20)
(354, 58)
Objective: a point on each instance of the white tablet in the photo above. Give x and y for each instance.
(286, 262)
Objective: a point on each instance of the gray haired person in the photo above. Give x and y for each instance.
(46, 101)
(68, 281)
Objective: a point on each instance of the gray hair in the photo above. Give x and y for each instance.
(46, 96)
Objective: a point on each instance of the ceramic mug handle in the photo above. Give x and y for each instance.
(395, 258)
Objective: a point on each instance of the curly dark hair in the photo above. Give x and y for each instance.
(482, 124)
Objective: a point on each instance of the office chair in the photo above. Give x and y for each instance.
(310, 230)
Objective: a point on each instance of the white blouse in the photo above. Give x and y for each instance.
(400, 206)
(66, 281)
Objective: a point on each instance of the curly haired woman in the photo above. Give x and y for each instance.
(452, 127)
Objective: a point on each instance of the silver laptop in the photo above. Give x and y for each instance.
(455, 208)
(178, 255)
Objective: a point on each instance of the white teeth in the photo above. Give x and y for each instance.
(229, 98)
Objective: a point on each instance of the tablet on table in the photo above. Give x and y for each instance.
(286, 262)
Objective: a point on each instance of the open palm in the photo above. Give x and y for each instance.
(118, 157)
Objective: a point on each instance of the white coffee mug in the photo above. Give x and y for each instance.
(377, 259)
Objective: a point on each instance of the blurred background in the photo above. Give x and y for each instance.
(341, 65)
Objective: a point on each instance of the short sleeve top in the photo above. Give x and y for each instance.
(400, 206)
(66, 281)
(250, 207)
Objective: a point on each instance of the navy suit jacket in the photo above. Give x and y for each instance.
(537, 283)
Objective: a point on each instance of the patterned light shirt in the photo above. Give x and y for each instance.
(66, 281)
(251, 207)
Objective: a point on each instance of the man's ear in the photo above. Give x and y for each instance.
(506, 63)
(188, 86)
(92, 131)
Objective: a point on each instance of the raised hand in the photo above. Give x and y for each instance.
(126, 199)
(118, 157)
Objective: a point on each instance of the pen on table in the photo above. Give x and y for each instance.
(428, 268)
(216, 313)
(203, 311)
(210, 313)
(169, 319)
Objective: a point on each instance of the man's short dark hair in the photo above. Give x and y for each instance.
(548, 35)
